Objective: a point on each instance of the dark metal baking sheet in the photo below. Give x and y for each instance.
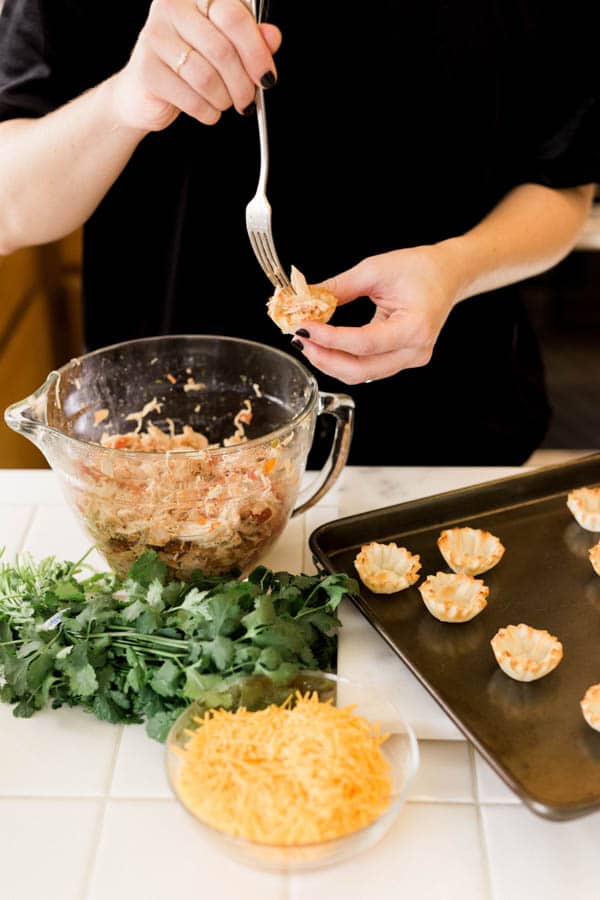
(534, 734)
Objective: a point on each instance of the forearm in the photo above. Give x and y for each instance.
(529, 231)
(55, 170)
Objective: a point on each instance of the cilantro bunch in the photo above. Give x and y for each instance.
(141, 649)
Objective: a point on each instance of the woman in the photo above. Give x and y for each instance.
(430, 154)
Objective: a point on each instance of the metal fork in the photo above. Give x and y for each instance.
(258, 211)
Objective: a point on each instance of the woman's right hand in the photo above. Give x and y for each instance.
(191, 62)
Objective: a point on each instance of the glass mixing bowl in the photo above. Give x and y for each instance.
(256, 692)
(215, 509)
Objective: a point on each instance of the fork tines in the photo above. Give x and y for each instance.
(267, 257)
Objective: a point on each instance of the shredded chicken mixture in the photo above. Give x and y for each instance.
(306, 303)
(154, 440)
(211, 511)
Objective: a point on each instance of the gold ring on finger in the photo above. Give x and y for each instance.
(183, 58)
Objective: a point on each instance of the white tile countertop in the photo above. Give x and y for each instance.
(86, 813)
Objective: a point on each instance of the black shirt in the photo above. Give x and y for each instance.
(393, 124)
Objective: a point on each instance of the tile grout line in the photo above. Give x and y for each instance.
(102, 807)
(482, 835)
(91, 864)
(286, 878)
(82, 798)
(452, 803)
(139, 798)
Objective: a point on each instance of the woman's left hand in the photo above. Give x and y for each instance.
(413, 291)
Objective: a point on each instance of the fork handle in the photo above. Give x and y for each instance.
(263, 139)
(261, 115)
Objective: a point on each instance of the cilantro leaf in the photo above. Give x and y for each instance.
(105, 709)
(197, 684)
(164, 681)
(154, 595)
(24, 710)
(38, 669)
(68, 590)
(139, 649)
(148, 568)
(263, 614)
(221, 650)
(159, 725)
(133, 611)
(83, 681)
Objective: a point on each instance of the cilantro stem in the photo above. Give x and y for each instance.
(314, 591)
(162, 654)
(76, 566)
(240, 668)
(96, 659)
(137, 636)
(312, 609)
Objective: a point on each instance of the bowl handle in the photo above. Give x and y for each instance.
(341, 406)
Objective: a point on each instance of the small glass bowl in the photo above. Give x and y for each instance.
(256, 692)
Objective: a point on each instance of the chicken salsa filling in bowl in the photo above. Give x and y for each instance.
(193, 446)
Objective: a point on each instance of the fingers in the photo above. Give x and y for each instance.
(377, 350)
(221, 57)
(359, 281)
(411, 307)
(381, 335)
(215, 68)
(272, 36)
(195, 71)
(356, 370)
(234, 19)
(173, 90)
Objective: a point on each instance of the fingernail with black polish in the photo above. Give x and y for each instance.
(249, 110)
(302, 332)
(297, 344)
(268, 80)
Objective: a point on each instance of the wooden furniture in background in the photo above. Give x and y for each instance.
(40, 329)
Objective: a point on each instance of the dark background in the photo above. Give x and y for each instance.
(564, 305)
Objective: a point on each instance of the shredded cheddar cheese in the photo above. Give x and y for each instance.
(285, 775)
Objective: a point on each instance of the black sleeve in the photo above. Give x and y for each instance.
(27, 87)
(560, 99)
(53, 50)
(567, 150)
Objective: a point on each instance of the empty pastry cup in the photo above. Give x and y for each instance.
(584, 503)
(387, 568)
(525, 653)
(590, 706)
(470, 550)
(454, 597)
(594, 555)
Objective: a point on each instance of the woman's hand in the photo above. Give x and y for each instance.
(413, 291)
(195, 56)
(529, 230)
